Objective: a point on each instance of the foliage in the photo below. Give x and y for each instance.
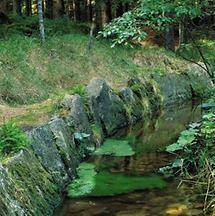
(195, 150)
(186, 139)
(157, 14)
(123, 29)
(114, 147)
(12, 139)
(199, 50)
(85, 145)
(104, 183)
(79, 89)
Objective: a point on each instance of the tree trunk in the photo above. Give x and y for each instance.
(90, 11)
(77, 13)
(100, 10)
(84, 11)
(3, 6)
(28, 7)
(108, 10)
(181, 34)
(59, 8)
(41, 21)
(170, 38)
(49, 9)
(17, 7)
(120, 10)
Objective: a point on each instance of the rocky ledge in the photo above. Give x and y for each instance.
(31, 181)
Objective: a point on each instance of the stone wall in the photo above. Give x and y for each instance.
(31, 181)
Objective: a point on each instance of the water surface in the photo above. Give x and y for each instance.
(148, 139)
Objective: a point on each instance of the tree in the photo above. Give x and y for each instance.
(3, 6)
(17, 7)
(41, 21)
(49, 9)
(158, 14)
(164, 16)
(28, 5)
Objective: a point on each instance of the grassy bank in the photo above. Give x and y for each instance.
(34, 76)
(30, 72)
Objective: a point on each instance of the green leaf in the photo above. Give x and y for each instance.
(174, 147)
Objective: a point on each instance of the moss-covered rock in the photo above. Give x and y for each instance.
(200, 82)
(133, 105)
(9, 204)
(77, 115)
(29, 189)
(108, 109)
(64, 141)
(148, 92)
(44, 148)
(174, 88)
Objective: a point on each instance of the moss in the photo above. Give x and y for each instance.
(137, 88)
(36, 114)
(97, 134)
(80, 90)
(109, 184)
(85, 183)
(115, 147)
(35, 188)
(105, 183)
(129, 111)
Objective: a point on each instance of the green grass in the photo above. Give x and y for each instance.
(31, 72)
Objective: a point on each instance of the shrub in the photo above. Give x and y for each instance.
(12, 139)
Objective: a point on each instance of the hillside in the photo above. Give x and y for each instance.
(34, 76)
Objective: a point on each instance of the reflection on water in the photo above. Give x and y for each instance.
(147, 139)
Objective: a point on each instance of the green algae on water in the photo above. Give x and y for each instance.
(105, 183)
(85, 183)
(110, 184)
(115, 147)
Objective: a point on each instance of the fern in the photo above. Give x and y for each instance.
(12, 139)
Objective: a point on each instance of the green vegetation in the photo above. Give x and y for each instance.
(62, 62)
(114, 147)
(104, 183)
(86, 146)
(12, 139)
(85, 183)
(195, 150)
(109, 184)
(157, 14)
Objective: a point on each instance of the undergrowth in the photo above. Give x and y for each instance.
(195, 157)
(12, 139)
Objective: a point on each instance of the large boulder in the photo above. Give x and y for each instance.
(64, 141)
(9, 204)
(77, 116)
(44, 147)
(174, 88)
(200, 81)
(133, 105)
(106, 106)
(148, 92)
(32, 186)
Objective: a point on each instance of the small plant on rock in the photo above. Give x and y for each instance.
(12, 139)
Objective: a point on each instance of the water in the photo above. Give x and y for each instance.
(148, 139)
